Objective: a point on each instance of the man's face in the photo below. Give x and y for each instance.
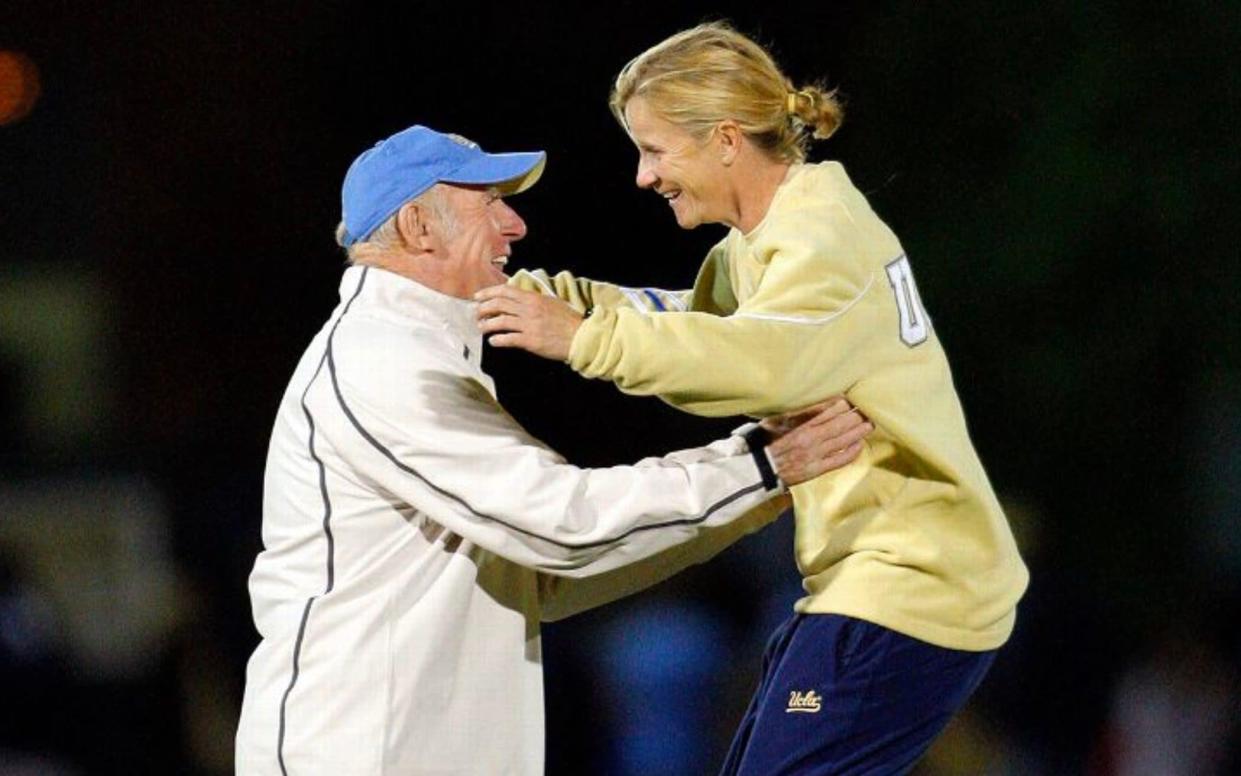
(478, 241)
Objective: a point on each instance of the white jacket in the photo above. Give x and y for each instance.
(415, 535)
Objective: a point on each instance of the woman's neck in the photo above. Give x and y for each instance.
(756, 180)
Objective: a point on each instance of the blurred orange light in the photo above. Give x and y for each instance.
(19, 86)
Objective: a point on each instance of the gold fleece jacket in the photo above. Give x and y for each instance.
(819, 299)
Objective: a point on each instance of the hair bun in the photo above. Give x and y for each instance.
(817, 109)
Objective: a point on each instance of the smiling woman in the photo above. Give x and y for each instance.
(689, 128)
(678, 166)
(911, 572)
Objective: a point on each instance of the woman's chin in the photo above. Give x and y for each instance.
(687, 220)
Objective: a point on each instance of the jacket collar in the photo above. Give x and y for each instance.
(402, 297)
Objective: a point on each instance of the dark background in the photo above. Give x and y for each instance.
(1063, 176)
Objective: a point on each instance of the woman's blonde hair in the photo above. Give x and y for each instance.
(704, 75)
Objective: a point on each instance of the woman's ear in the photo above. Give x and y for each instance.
(728, 139)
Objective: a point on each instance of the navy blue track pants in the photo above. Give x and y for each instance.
(841, 696)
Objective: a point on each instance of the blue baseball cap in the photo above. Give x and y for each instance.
(413, 160)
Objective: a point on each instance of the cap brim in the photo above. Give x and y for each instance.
(510, 173)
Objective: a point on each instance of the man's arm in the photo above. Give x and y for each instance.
(561, 597)
(435, 439)
(838, 422)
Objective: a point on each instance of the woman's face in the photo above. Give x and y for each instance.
(678, 167)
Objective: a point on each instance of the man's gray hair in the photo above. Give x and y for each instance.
(386, 236)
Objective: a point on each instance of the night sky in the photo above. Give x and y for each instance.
(1063, 176)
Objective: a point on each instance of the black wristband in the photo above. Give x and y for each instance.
(757, 438)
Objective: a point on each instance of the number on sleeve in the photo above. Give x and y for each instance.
(914, 322)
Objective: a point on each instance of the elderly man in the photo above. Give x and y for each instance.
(415, 535)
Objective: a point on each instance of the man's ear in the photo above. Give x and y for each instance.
(728, 138)
(414, 227)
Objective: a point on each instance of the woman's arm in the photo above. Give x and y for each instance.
(584, 294)
(786, 346)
